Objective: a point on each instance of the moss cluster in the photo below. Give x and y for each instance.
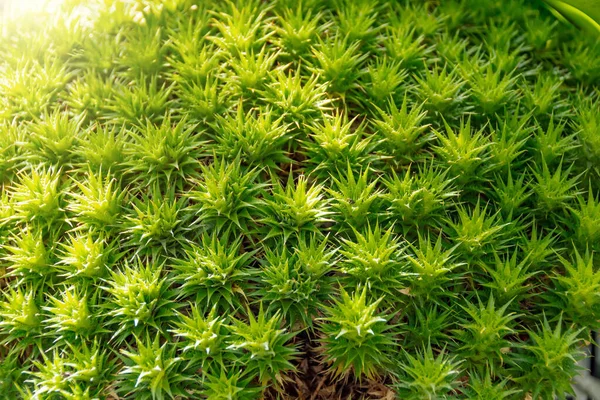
(275, 199)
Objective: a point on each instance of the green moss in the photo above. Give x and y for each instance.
(222, 199)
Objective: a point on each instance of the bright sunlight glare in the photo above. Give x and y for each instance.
(17, 8)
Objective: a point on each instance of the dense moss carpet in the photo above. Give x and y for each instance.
(297, 199)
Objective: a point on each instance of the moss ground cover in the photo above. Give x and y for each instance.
(297, 199)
